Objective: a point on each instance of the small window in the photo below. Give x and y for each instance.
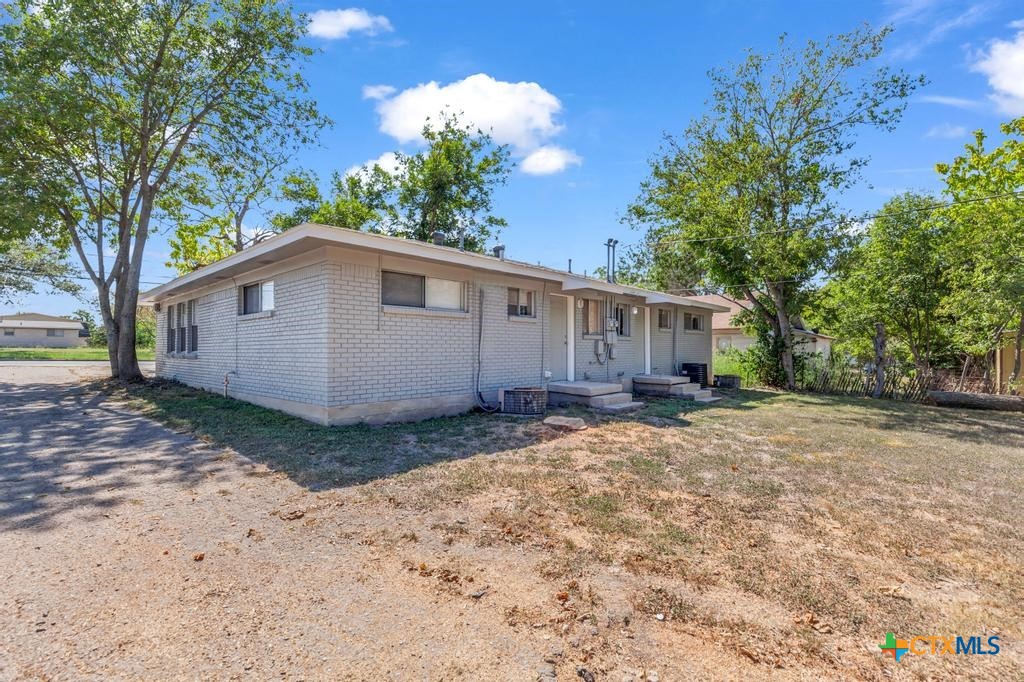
(193, 328)
(520, 303)
(593, 316)
(664, 318)
(622, 319)
(418, 291)
(8, 332)
(257, 297)
(724, 343)
(182, 328)
(171, 335)
(693, 323)
(55, 332)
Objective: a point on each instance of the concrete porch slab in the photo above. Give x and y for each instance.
(660, 379)
(583, 388)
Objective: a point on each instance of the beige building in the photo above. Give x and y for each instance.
(32, 330)
(727, 334)
(1004, 361)
(340, 326)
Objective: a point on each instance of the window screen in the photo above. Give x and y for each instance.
(55, 332)
(444, 294)
(8, 332)
(592, 317)
(398, 288)
(170, 329)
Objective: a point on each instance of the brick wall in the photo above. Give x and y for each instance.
(279, 355)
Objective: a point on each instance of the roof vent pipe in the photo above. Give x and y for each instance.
(438, 237)
(499, 251)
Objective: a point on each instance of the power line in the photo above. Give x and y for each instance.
(835, 223)
(39, 274)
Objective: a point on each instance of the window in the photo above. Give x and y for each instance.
(520, 303)
(170, 329)
(724, 343)
(622, 319)
(193, 328)
(182, 329)
(8, 332)
(664, 318)
(55, 332)
(257, 297)
(418, 291)
(593, 316)
(693, 323)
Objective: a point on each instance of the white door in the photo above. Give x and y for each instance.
(559, 346)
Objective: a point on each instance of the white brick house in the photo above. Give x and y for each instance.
(339, 326)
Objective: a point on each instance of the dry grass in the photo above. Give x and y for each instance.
(781, 534)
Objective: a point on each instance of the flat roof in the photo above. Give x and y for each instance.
(307, 236)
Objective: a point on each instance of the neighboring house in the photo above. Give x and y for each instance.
(30, 330)
(340, 326)
(727, 334)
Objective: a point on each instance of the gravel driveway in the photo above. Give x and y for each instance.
(129, 551)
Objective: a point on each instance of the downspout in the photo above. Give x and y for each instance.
(233, 372)
(479, 356)
(675, 329)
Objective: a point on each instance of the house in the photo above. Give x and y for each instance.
(727, 334)
(28, 330)
(340, 326)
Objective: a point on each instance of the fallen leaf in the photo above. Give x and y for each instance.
(198, 556)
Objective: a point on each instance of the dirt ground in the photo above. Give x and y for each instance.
(767, 537)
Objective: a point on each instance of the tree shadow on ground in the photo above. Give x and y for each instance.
(975, 426)
(65, 451)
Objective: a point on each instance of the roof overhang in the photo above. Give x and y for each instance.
(308, 236)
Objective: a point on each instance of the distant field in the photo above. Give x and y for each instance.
(64, 353)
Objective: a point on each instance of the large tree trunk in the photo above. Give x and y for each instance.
(1018, 341)
(786, 334)
(978, 401)
(128, 290)
(879, 360)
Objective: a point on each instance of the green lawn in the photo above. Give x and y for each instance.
(65, 353)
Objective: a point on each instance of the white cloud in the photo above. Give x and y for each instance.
(336, 24)
(549, 159)
(932, 21)
(522, 115)
(946, 131)
(1019, 24)
(1002, 62)
(958, 102)
(377, 91)
(387, 161)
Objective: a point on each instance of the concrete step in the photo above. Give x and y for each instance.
(660, 379)
(708, 399)
(583, 388)
(609, 399)
(619, 408)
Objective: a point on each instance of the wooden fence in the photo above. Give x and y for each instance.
(840, 380)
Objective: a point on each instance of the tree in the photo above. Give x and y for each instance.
(249, 174)
(24, 264)
(895, 276)
(987, 245)
(107, 108)
(751, 191)
(448, 188)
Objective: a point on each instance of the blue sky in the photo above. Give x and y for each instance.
(583, 91)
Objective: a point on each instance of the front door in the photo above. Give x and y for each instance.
(559, 346)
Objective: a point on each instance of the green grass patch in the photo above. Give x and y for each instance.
(73, 354)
